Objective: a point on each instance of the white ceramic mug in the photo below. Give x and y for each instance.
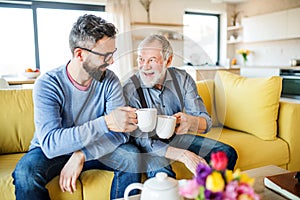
(165, 126)
(146, 119)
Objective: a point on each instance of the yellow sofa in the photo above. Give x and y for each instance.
(17, 127)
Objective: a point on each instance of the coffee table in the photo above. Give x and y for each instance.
(259, 174)
(133, 197)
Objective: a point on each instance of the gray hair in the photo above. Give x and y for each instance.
(167, 50)
(88, 29)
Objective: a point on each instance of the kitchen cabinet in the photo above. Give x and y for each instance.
(261, 71)
(293, 28)
(273, 26)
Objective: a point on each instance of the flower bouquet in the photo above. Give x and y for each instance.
(216, 182)
(244, 53)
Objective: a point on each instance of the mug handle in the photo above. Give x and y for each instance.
(131, 187)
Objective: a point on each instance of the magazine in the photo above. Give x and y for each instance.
(285, 184)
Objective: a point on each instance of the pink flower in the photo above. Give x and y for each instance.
(190, 189)
(219, 160)
(230, 192)
(246, 189)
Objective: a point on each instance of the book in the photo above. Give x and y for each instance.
(285, 184)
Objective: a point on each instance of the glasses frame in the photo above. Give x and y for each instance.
(107, 56)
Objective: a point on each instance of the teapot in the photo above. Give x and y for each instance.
(159, 187)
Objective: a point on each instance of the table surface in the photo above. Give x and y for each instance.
(19, 80)
(259, 174)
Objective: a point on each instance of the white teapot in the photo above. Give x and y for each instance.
(160, 187)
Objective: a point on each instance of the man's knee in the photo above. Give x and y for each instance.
(24, 176)
(232, 157)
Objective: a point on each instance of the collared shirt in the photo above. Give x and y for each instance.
(167, 101)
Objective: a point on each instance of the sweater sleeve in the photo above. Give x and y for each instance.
(52, 135)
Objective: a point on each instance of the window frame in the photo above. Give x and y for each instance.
(219, 30)
(34, 5)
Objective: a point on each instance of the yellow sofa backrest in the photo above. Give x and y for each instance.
(206, 90)
(16, 120)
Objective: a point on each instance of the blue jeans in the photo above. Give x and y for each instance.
(199, 145)
(35, 170)
(204, 147)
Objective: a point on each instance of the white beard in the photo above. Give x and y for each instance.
(155, 78)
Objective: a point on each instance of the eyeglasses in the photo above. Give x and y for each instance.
(107, 56)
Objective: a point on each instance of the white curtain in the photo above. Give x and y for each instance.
(119, 14)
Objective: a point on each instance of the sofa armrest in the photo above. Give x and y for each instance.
(289, 130)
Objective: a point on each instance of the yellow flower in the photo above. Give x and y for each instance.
(215, 182)
(244, 178)
(236, 174)
(244, 197)
(228, 175)
(243, 51)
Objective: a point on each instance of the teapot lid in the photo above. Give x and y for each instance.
(161, 181)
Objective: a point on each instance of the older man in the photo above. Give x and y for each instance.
(172, 92)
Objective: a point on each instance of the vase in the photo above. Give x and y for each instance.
(244, 59)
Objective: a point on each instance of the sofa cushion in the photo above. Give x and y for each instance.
(16, 120)
(96, 184)
(92, 184)
(7, 189)
(7, 166)
(248, 104)
(205, 89)
(252, 151)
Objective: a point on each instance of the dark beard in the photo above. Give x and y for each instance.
(96, 73)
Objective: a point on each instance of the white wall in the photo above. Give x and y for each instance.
(172, 11)
(275, 53)
(271, 53)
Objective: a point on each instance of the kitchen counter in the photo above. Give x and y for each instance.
(264, 71)
(207, 72)
(270, 67)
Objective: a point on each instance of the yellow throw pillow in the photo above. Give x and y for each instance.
(248, 104)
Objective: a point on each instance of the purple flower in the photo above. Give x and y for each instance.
(202, 172)
(213, 195)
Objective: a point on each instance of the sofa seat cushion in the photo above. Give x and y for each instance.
(56, 194)
(252, 151)
(7, 189)
(7, 165)
(92, 184)
(248, 104)
(96, 184)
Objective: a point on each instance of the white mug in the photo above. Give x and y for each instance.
(165, 126)
(146, 119)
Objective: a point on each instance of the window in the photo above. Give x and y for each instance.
(202, 38)
(16, 39)
(36, 34)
